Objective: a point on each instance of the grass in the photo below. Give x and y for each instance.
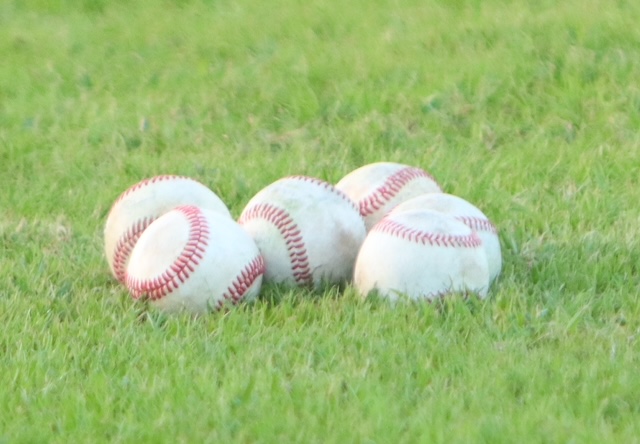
(530, 110)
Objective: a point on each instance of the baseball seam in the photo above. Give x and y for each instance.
(243, 282)
(127, 241)
(327, 186)
(396, 229)
(125, 245)
(478, 224)
(150, 181)
(178, 272)
(390, 188)
(291, 234)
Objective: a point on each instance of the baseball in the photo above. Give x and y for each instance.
(144, 202)
(467, 213)
(378, 187)
(421, 254)
(307, 230)
(194, 260)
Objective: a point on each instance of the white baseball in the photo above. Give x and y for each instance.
(307, 230)
(467, 213)
(421, 254)
(144, 202)
(194, 260)
(378, 187)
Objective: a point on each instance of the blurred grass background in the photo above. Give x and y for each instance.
(530, 110)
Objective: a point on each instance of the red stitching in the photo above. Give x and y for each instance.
(183, 266)
(397, 229)
(291, 234)
(125, 245)
(128, 240)
(390, 188)
(478, 223)
(150, 181)
(327, 186)
(244, 281)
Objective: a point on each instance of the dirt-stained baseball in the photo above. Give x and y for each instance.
(144, 202)
(377, 188)
(421, 254)
(308, 231)
(194, 260)
(467, 213)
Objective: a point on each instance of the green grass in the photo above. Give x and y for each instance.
(528, 109)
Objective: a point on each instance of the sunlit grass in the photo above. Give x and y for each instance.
(530, 110)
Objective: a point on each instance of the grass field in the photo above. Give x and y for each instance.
(528, 109)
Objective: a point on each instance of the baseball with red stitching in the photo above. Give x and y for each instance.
(378, 187)
(468, 214)
(308, 231)
(141, 204)
(421, 254)
(194, 260)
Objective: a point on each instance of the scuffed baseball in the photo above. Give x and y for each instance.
(144, 202)
(378, 187)
(468, 214)
(194, 260)
(308, 231)
(421, 254)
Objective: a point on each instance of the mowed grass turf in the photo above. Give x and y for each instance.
(530, 110)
